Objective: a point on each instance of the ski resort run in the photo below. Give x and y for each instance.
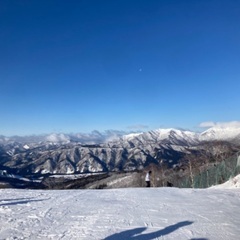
(127, 213)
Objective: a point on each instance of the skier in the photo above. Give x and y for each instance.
(147, 179)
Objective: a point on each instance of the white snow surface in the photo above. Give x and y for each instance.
(26, 147)
(120, 214)
(231, 183)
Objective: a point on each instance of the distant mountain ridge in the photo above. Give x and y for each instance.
(95, 137)
(62, 153)
(84, 138)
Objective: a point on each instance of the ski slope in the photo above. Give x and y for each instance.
(130, 213)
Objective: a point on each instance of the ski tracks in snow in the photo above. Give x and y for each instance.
(138, 214)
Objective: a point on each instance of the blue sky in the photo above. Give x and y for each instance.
(78, 66)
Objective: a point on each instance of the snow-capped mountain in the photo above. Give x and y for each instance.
(172, 135)
(62, 153)
(95, 137)
(220, 133)
(168, 136)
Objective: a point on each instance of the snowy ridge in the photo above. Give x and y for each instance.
(170, 135)
(230, 184)
(130, 136)
(220, 133)
(214, 133)
(77, 153)
(176, 135)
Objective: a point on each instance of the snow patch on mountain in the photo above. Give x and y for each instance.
(220, 133)
(170, 136)
(26, 147)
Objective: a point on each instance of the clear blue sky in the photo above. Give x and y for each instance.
(77, 66)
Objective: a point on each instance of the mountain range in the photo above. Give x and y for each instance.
(111, 151)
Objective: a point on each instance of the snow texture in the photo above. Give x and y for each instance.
(121, 214)
(232, 183)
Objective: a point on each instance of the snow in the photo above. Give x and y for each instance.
(231, 183)
(131, 136)
(125, 180)
(74, 176)
(165, 133)
(220, 133)
(26, 147)
(114, 214)
(5, 174)
(70, 170)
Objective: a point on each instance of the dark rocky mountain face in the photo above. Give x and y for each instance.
(73, 158)
(133, 152)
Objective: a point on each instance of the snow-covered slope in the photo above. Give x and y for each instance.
(220, 133)
(120, 214)
(231, 183)
(179, 137)
(167, 135)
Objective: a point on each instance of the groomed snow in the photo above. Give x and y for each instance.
(129, 213)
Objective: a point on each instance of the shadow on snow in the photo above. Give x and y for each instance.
(133, 234)
(198, 239)
(19, 201)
